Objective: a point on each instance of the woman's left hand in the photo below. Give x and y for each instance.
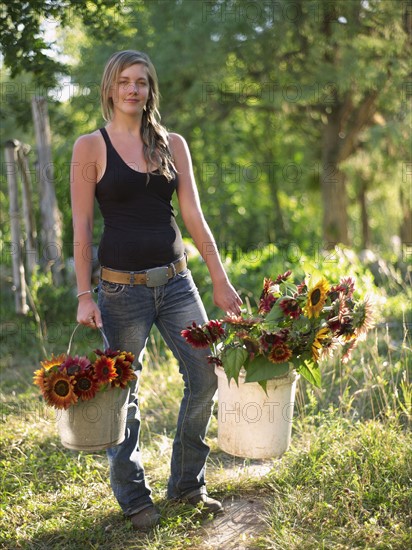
(226, 297)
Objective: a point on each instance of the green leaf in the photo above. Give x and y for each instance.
(275, 314)
(311, 372)
(261, 369)
(270, 326)
(233, 360)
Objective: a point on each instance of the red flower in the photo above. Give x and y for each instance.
(104, 369)
(108, 352)
(281, 278)
(215, 330)
(346, 286)
(270, 339)
(214, 360)
(267, 298)
(196, 337)
(280, 353)
(290, 307)
(302, 288)
(86, 386)
(266, 303)
(74, 365)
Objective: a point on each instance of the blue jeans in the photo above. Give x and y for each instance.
(128, 314)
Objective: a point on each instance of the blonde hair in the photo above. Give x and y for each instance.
(155, 137)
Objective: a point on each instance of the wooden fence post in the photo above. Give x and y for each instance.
(11, 148)
(51, 232)
(28, 213)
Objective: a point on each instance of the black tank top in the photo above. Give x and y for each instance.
(140, 230)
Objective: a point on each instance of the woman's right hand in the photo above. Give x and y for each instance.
(88, 312)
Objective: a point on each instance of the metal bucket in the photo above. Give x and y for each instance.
(95, 424)
(252, 423)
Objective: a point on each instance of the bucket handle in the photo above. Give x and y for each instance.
(105, 341)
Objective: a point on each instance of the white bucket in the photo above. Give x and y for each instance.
(95, 424)
(251, 423)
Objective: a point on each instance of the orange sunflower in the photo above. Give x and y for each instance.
(104, 369)
(124, 373)
(317, 294)
(59, 391)
(54, 361)
(41, 375)
(39, 379)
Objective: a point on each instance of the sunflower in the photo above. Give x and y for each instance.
(86, 386)
(127, 356)
(239, 321)
(363, 318)
(317, 294)
(196, 336)
(59, 391)
(39, 379)
(53, 362)
(319, 341)
(267, 298)
(104, 369)
(124, 373)
(280, 353)
(347, 349)
(290, 307)
(107, 352)
(215, 329)
(75, 365)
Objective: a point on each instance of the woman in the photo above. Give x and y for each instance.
(133, 166)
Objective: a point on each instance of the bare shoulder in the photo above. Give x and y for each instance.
(178, 146)
(89, 144)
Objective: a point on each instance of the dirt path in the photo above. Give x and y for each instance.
(236, 529)
(244, 517)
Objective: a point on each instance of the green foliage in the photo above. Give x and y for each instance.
(254, 110)
(348, 488)
(22, 40)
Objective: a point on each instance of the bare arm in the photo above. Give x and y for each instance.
(225, 296)
(83, 179)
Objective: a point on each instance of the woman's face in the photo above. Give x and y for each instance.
(130, 92)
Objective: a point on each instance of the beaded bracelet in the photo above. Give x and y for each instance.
(84, 292)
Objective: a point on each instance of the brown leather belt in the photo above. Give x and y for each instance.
(152, 277)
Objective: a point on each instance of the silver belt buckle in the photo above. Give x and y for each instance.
(157, 276)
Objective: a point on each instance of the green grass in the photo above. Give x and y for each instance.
(345, 483)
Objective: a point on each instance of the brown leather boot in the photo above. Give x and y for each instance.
(207, 504)
(145, 519)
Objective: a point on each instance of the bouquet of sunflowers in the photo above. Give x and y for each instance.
(65, 379)
(295, 327)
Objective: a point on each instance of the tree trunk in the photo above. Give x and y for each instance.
(279, 222)
(29, 220)
(51, 232)
(406, 224)
(333, 186)
(366, 238)
(16, 240)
